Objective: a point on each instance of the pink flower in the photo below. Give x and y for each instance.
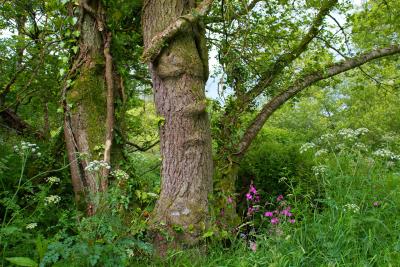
(230, 200)
(253, 189)
(268, 214)
(292, 220)
(250, 211)
(253, 246)
(376, 204)
(274, 220)
(279, 198)
(286, 213)
(249, 196)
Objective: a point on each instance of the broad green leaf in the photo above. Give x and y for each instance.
(22, 261)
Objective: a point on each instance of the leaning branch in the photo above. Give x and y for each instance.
(161, 39)
(307, 80)
(290, 56)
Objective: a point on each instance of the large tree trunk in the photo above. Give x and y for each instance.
(88, 106)
(179, 74)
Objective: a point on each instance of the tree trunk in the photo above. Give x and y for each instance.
(179, 74)
(88, 106)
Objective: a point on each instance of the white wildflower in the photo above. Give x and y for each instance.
(347, 133)
(306, 147)
(320, 152)
(351, 208)
(53, 180)
(386, 153)
(96, 165)
(53, 199)
(27, 148)
(319, 170)
(361, 131)
(326, 137)
(129, 252)
(31, 226)
(360, 147)
(120, 175)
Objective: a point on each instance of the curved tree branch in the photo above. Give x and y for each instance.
(290, 56)
(161, 39)
(302, 83)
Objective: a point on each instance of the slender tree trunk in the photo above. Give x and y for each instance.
(179, 74)
(88, 106)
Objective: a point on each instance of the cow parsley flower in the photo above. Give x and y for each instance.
(96, 165)
(120, 175)
(306, 146)
(52, 199)
(351, 208)
(31, 226)
(53, 180)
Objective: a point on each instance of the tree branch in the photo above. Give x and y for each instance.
(161, 39)
(276, 102)
(235, 16)
(289, 57)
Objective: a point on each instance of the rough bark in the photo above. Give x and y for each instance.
(88, 106)
(179, 73)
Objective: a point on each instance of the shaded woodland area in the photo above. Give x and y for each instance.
(199, 133)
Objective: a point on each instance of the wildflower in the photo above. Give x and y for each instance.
(352, 208)
(274, 220)
(27, 148)
(386, 153)
(306, 146)
(376, 203)
(320, 152)
(229, 200)
(96, 165)
(319, 170)
(292, 221)
(286, 213)
(347, 133)
(253, 246)
(326, 137)
(120, 175)
(253, 189)
(53, 199)
(31, 226)
(250, 211)
(361, 131)
(279, 198)
(268, 214)
(129, 252)
(53, 180)
(249, 196)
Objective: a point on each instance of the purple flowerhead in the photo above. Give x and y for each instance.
(292, 221)
(274, 220)
(230, 200)
(249, 196)
(286, 213)
(268, 214)
(279, 198)
(253, 189)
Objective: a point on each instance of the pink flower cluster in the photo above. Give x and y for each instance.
(280, 214)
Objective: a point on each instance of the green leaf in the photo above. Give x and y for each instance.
(208, 234)
(22, 261)
(75, 49)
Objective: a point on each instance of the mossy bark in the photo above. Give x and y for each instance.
(85, 108)
(179, 74)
